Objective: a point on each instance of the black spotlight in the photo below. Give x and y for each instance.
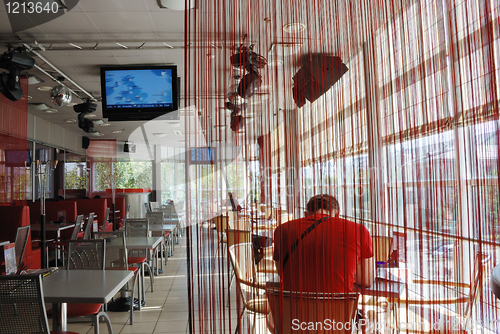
(14, 62)
(83, 109)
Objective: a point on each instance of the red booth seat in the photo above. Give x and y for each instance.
(52, 213)
(52, 210)
(98, 206)
(12, 217)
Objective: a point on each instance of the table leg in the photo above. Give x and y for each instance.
(59, 317)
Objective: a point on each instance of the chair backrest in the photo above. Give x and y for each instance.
(220, 223)
(147, 207)
(283, 218)
(238, 236)
(116, 245)
(22, 308)
(155, 218)
(381, 247)
(326, 312)
(106, 218)
(242, 224)
(77, 228)
(86, 254)
(241, 256)
(87, 233)
(137, 228)
(127, 212)
(20, 242)
(477, 284)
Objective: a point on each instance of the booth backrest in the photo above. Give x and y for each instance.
(96, 205)
(52, 210)
(12, 217)
(119, 206)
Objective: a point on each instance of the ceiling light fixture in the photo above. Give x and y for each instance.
(168, 45)
(174, 124)
(275, 62)
(176, 4)
(117, 131)
(71, 120)
(33, 80)
(294, 27)
(39, 106)
(76, 46)
(90, 116)
(159, 134)
(123, 46)
(44, 88)
(51, 111)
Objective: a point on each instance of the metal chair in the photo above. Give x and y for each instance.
(249, 283)
(87, 234)
(20, 243)
(22, 308)
(117, 259)
(140, 228)
(87, 255)
(435, 315)
(157, 218)
(60, 245)
(221, 224)
(312, 308)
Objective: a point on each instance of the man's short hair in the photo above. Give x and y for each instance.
(324, 201)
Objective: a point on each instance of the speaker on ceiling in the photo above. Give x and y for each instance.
(318, 74)
(129, 147)
(85, 142)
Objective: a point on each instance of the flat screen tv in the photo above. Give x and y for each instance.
(202, 156)
(139, 92)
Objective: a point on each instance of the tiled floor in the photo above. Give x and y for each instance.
(167, 307)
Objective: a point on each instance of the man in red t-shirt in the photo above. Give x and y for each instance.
(329, 257)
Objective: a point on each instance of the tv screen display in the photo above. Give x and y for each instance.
(202, 155)
(138, 92)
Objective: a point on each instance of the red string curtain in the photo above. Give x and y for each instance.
(407, 140)
(101, 155)
(14, 178)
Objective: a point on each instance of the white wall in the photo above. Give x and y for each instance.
(45, 132)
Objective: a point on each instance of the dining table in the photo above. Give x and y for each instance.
(53, 228)
(172, 229)
(80, 286)
(53, 231)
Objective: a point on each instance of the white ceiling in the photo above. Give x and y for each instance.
(129, 22)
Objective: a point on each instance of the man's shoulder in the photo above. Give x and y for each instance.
(293, 224)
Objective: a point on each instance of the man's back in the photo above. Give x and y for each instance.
(325, 259)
